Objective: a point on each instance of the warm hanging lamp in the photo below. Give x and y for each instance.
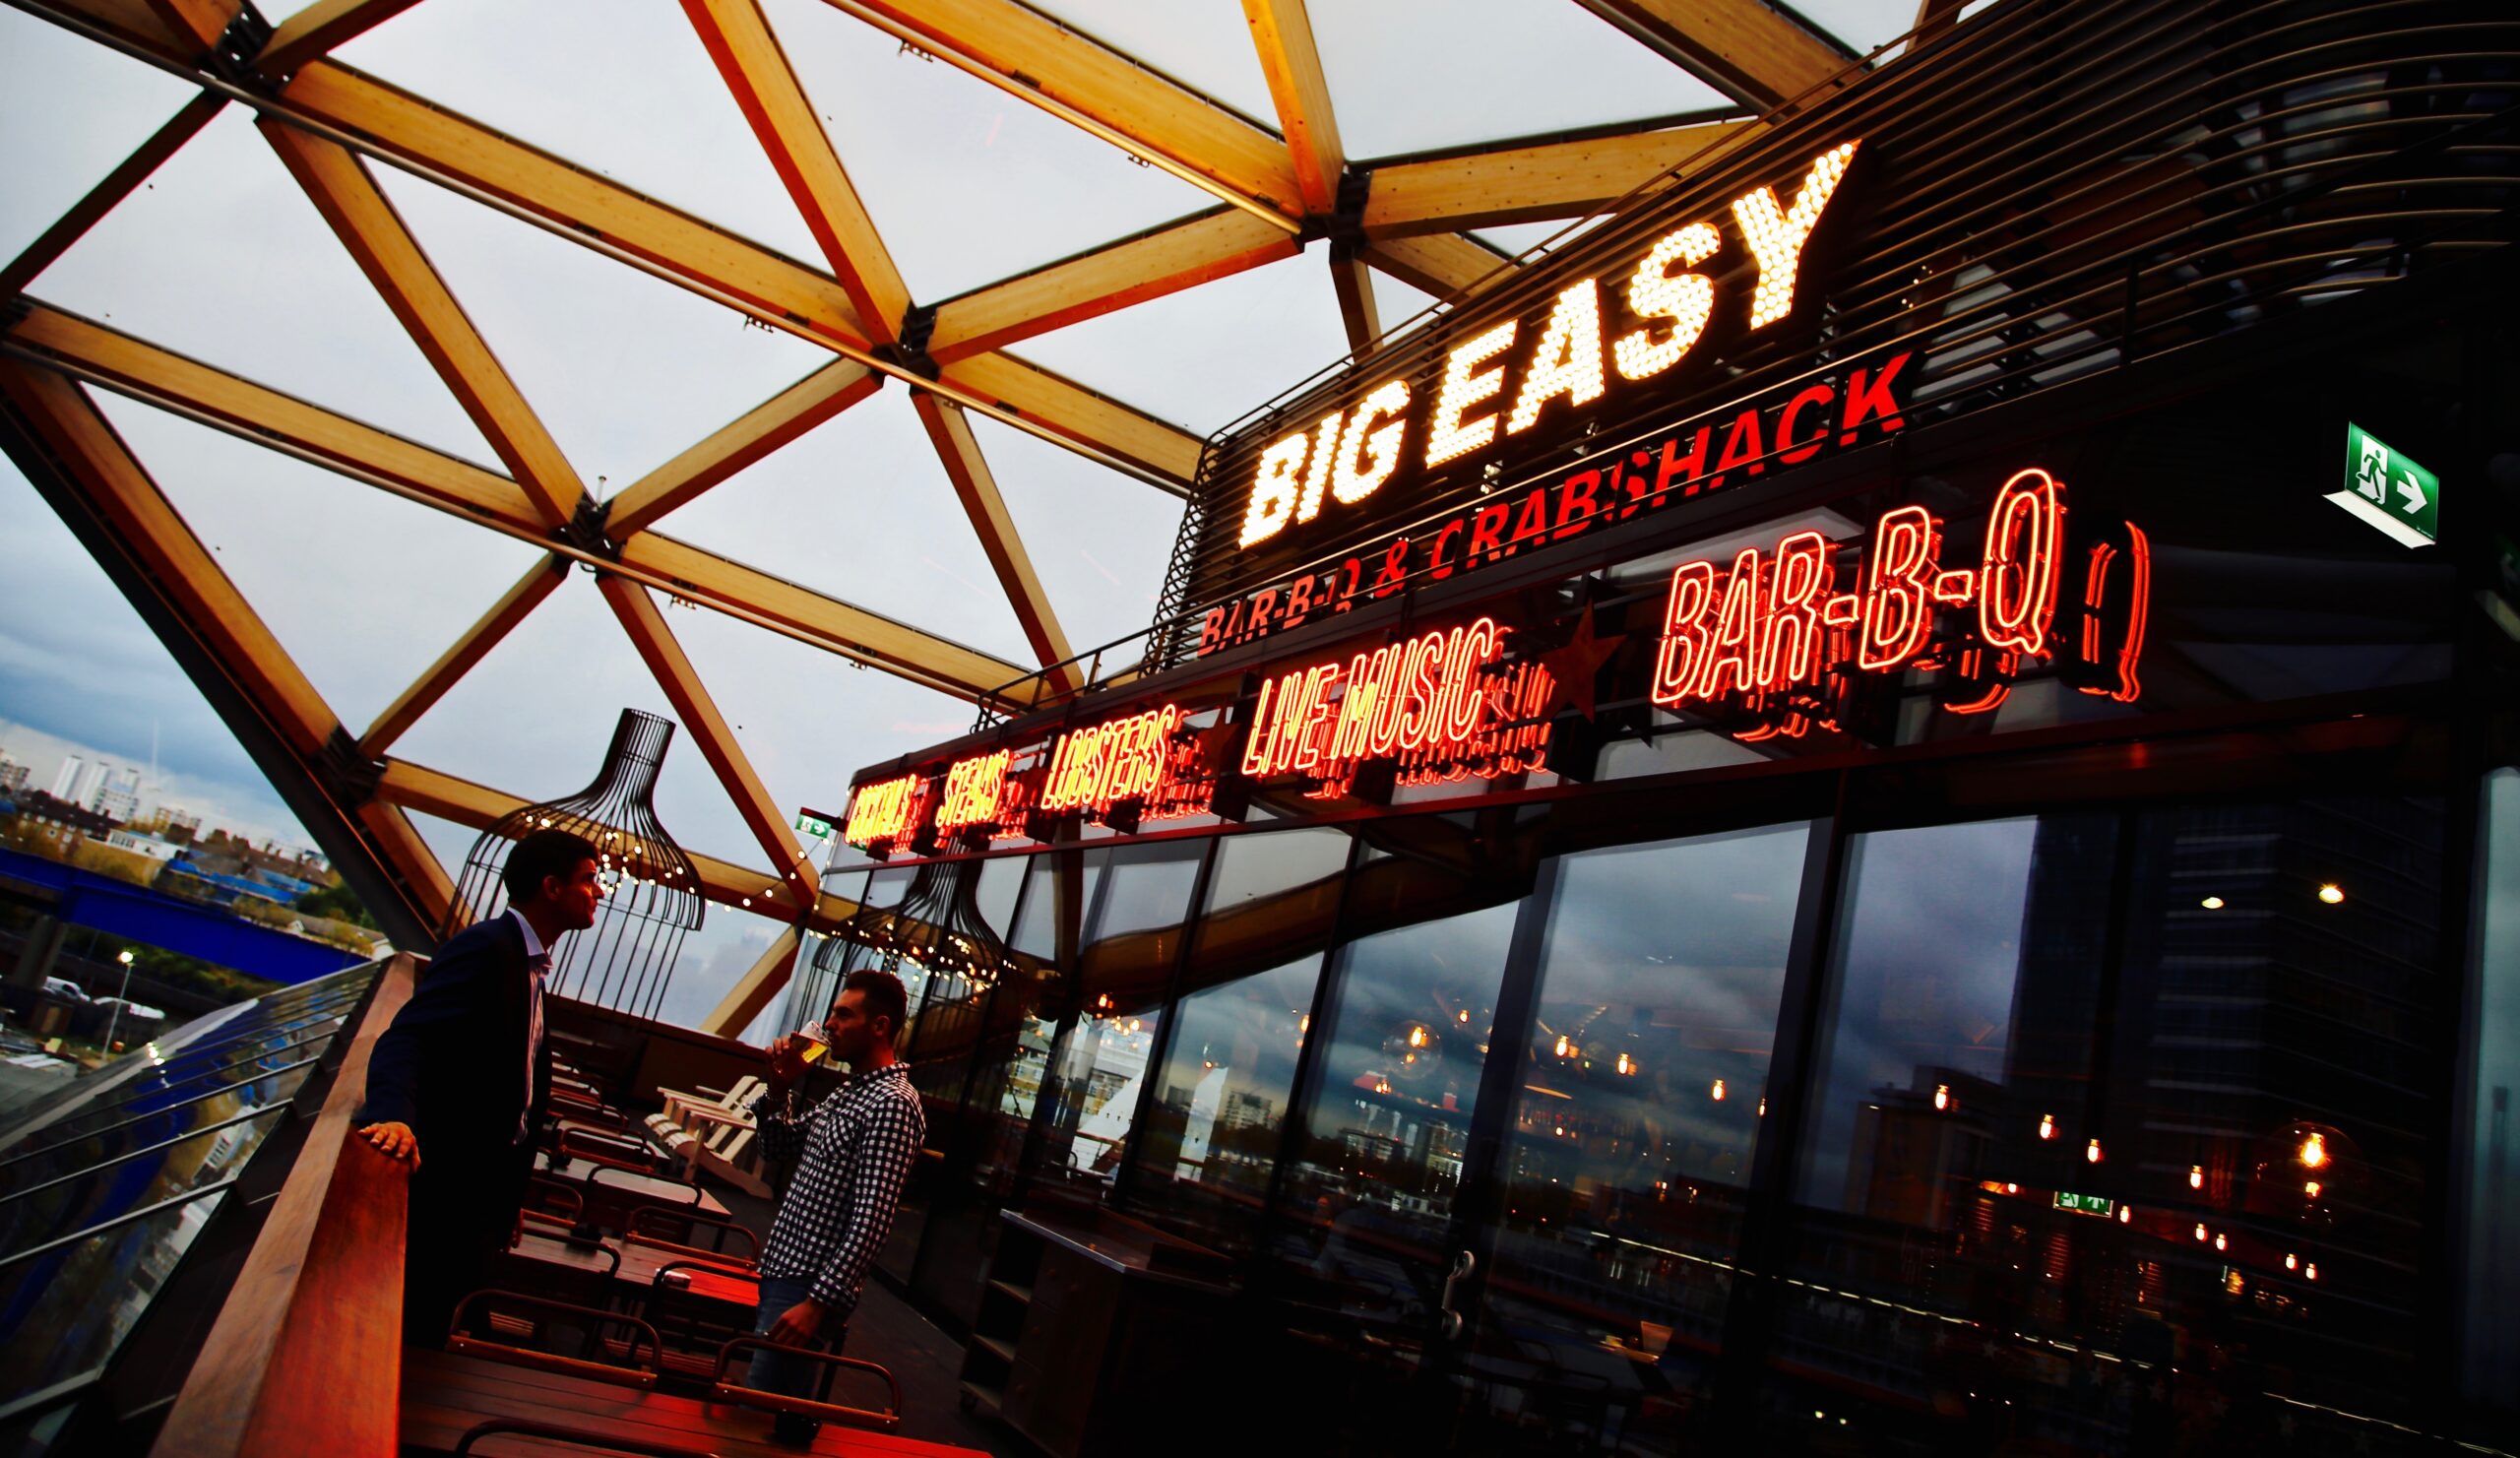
(652, 895)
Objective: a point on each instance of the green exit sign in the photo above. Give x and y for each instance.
(2390, 494)
(814, 825)
(2084, 1204)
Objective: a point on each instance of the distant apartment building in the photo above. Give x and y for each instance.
(117, 793)
(12, 776)
(65, 780)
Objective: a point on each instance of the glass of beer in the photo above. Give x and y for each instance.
(817, 1046)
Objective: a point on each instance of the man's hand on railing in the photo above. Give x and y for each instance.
(395, 1139)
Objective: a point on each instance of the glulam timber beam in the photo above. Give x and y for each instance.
(1160, 261)
(714, 263)
(315, 30)
(432, 791)
(254, 410)
(1445, 265)
(582, 203)
(1282, 37)
(710, 732)
(255, 413)
(375, 235)
(1528, 184)
(102, 199)
(1066, 408)
(976, 486)
(197, 23)
(251, 670)
(758, 432)
(1078, 79)
(761, 981)
(881, 642)
(538, 582)
(1749, 51)
(1351, 279)
(755, 68)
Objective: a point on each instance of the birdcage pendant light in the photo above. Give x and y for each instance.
(936, 934)
(651, 896)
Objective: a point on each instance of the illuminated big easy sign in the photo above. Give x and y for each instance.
(1602, 336)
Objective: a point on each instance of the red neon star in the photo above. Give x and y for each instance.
(1577, 662)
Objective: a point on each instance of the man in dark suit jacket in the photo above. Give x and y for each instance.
(457, 1084)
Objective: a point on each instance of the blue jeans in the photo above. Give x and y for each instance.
(777, 1371)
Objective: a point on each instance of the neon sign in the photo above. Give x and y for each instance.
(1723, 451)
(887, 812)
(1143, 767)
(1439, 706)
(1347, 456)
(1772, 631)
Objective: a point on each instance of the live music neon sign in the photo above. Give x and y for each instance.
(1443, 705)
(1774, 629)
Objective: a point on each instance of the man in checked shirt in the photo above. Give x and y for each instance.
(847, 1158)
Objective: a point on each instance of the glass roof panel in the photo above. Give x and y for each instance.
(361, 622)
(808, 511)
(808, 718)
(78, 666)
(1201, 358)
(623, 86)
(966, 183)
(70, 114)
(223, 258)
(1858, 25)
(626, 369)
(1404, 73)
(1204, 44)
(1098, 539)
(534, 716)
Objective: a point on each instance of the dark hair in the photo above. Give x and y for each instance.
(883, 995)
(542, 854)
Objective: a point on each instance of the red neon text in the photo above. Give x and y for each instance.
(885, 813)
(976, 792)
(1776, 623)
(1443, 705)
(1123, 760)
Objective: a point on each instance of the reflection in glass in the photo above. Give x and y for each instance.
(1378, 1157)
(1639, 1109)
(1247, 1002)
(2119, 1146)
(1133, 939)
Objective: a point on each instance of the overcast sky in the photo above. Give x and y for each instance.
(221, 257)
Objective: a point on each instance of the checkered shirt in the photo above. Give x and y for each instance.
(848, 1158)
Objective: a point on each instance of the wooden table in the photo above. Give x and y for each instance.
(444, 1395)
(623, 1185)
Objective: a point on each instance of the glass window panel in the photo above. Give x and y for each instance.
(1271, 899)
(1099, 1073)
(2122, 1131)
(2492, 1287)
(1378, 1159)
(63, 1314)
(1642, 1099)
(211, 1104)
(75, 1202)
(1213, 1132)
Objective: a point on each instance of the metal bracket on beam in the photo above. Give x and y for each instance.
(349, 777)
(918, 326)
(244, 38)
(586, 529)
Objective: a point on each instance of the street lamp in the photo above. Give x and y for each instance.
(120, 997)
